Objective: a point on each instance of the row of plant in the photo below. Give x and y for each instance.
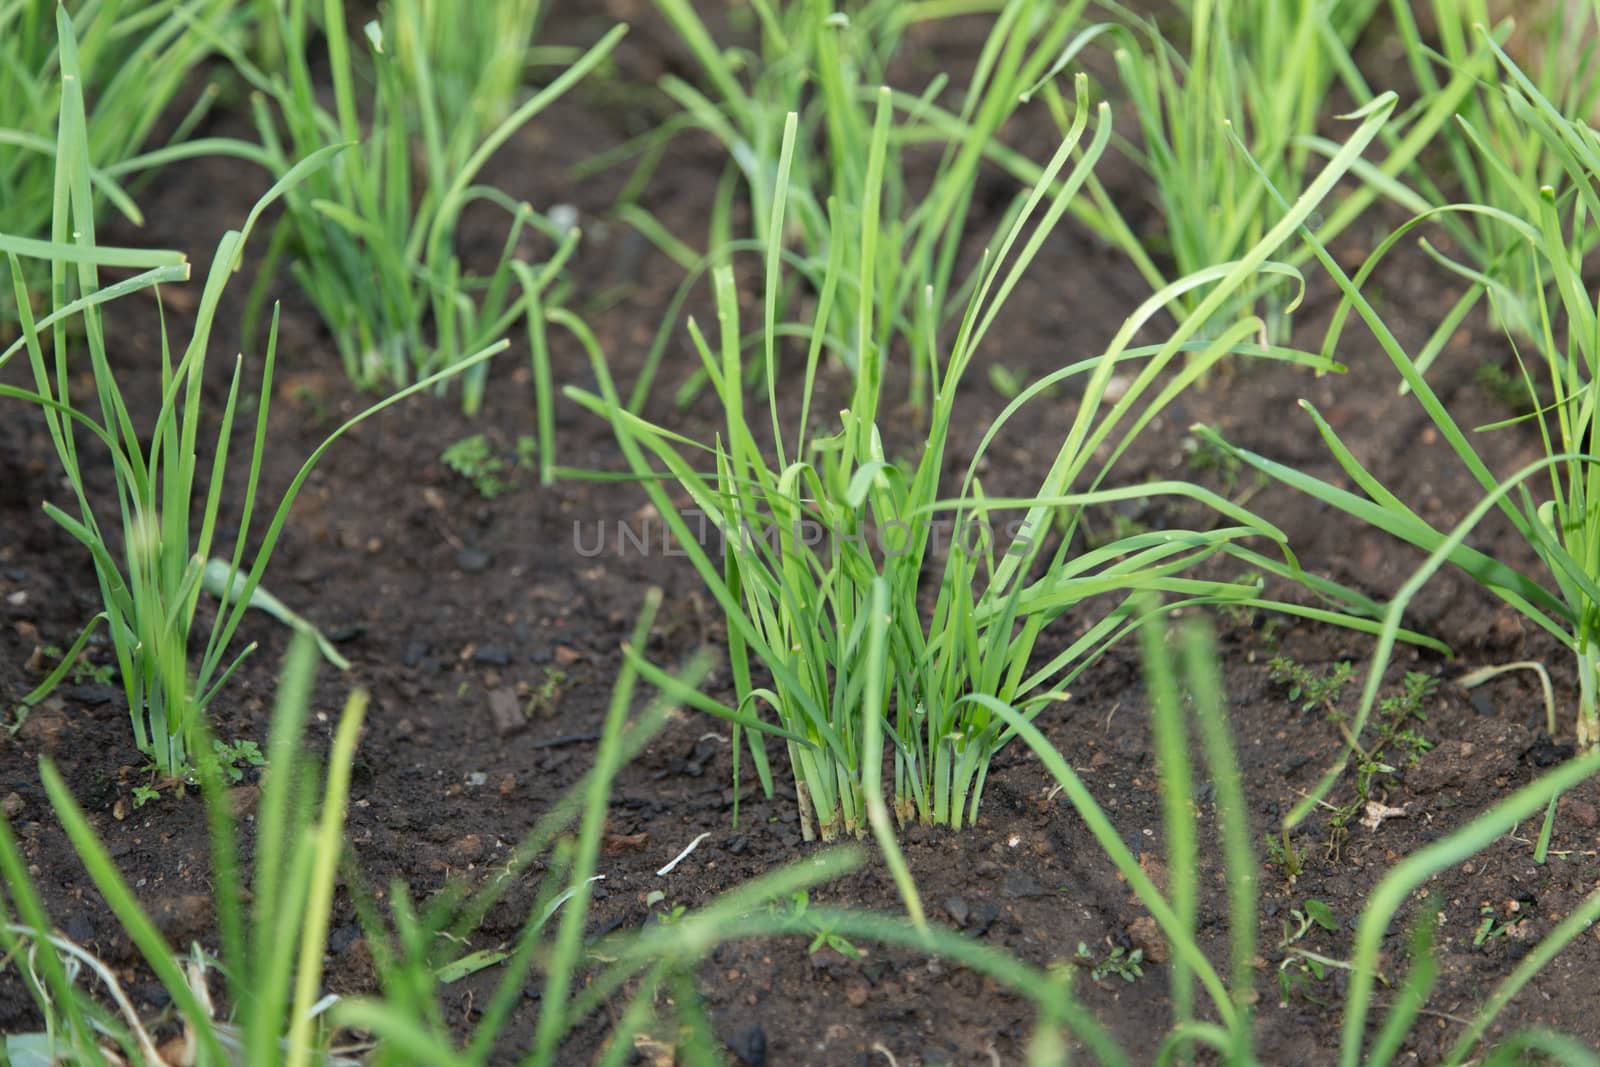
(272, 939)
(826, 534)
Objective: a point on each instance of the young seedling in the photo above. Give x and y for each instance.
(1560, 529)
(150, 551)
(1312, 690)
(372, 239)
(1302, 970)
(132, 61)
(1118, 961)
(824, 64)
(798, 538)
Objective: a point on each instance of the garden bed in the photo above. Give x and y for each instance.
(453, 607)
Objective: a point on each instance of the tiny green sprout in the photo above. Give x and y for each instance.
(1128, 966)
(527, 452)
(543, 699)
(1492, 927)
(144, 794)
(1322, 915)
(1204, 456)
(672, 916)
(1005, 381)
(1282, 854)
(1397, 744)
(796, 908)
(1301, 969)
(1297, 977)
(471, 458)
(233, 758)
(1308, 687)
(1504, 388)
(83, 672)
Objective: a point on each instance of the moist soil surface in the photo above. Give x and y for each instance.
(448, 604)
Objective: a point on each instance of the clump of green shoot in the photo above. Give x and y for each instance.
(1213, 1005)
(1232, 112)
(824, 65)
(272, 949)
(151, 542)
(373, 237)
(1498, 160)
(133, 58)
(1559, 524)
(817, 545)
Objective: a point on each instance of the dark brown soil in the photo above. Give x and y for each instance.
(442, 599)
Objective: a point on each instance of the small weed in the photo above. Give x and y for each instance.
(1204, 456)
(1492, 926)
(1504, 388)
(233, 758)
(1010, 383)
(83, 671)
(471, 458)
(1005, 381)
(527, 452)
(1315, 911)
(797, 908)
(1282, 854)
(1396, 746)
(1308, 687)
(543, 698)
(1299, 976)
(490, 474)
(1118, 525)
(1128, 966)
(1301, 971)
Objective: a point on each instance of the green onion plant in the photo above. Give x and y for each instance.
(272, 941)
(792, 529)
(133, 59)
(824, 66)
(1496, 157)
(372, 238)
(1561, 371)
(151, 545)
(1259, 72)
(1213, 1007)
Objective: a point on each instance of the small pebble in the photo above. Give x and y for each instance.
(472, 560)
(79, 928)
(468, 849)
(12, 805)
(984, 914)
(1583, 813)
(749, 1043)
